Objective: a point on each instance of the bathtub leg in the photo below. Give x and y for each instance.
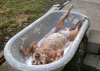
(30, 49)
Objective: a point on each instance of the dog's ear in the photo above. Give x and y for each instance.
(30, 49)
(33, 46)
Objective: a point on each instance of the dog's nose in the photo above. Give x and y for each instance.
(37, 55)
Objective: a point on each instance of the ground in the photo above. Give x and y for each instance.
(17, 14)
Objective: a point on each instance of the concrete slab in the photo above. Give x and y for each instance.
(98, 65)
(91, 60)
(87, 68)
(93, 48)
(96, 1)
(94, 42)
(94, 36)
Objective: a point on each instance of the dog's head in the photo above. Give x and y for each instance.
(45, 56)
(42, 56)
(37, 59)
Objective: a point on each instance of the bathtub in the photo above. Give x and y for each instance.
(35, 32)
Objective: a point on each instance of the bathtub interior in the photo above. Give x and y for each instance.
(35, 32)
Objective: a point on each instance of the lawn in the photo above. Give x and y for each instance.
(17, 14)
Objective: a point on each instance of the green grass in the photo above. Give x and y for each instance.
(16, 15)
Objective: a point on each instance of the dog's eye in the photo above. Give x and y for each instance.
(33, 62)
(41, 62)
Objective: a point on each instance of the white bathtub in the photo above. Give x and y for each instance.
(36, 31)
